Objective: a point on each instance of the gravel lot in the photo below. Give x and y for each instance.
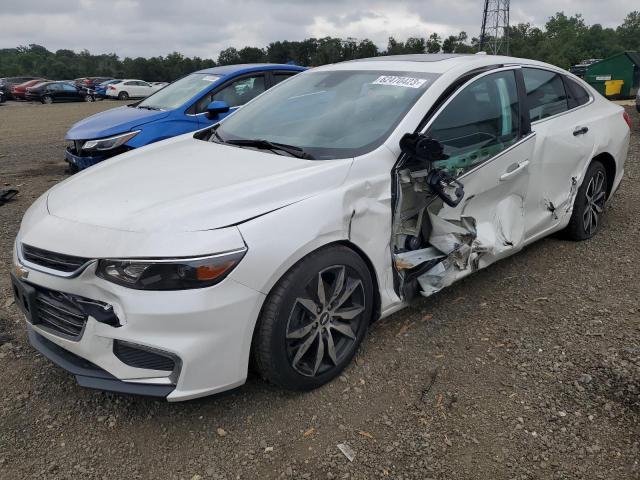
(529, 369)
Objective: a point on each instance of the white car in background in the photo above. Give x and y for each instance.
(131, 88)
(326, 203)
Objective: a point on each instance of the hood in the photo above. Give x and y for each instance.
(112, 122)
(184, 184)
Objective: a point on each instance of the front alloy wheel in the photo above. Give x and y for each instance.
(322, 324)
(314, 319)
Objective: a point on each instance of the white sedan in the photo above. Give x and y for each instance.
(126, 89)
(328, 202)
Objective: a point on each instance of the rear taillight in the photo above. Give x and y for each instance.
(111, 88)
(627, 118)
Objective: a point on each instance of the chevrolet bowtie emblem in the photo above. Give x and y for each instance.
(21, 272)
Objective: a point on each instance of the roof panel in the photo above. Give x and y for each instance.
(227, 69)
(417, 57)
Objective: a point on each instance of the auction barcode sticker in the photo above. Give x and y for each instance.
(409, 82)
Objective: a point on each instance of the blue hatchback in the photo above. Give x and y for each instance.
(190, 103)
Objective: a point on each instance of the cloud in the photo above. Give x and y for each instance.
(204, 27)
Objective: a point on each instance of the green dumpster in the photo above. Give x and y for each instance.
(617, 76)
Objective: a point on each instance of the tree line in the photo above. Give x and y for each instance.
(563, 41)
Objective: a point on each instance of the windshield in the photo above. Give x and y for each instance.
(331, 114)
(175, 94)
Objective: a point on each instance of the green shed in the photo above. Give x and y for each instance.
(617, 76)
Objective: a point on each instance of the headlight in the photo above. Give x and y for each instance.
(109, 143)
(176, 274)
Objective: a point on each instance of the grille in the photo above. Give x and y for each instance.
(55, 261)
(136, 357)
(58, 312)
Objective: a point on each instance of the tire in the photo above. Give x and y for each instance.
(123, 96)
(89, 98)
(588, 207)
(47, 99)
(292, 319)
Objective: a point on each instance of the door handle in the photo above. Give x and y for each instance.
(514, 170)
(580, 131)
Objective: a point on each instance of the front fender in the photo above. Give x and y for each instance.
(161, 130)
(278, 240)
(358, 212)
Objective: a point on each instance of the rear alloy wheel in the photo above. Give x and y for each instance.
(314, 320)
(589, 204)
(47, 99)
(88, 98)
(123, 96)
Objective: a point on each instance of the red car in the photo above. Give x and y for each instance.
(18, 92)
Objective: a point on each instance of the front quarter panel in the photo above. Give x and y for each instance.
(357, 212)
(175, 124)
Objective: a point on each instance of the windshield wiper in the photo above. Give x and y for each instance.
(274, 146)
(148, 107)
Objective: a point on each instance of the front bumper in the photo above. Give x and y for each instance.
(89, 375)
(81, 161)
(85, 161)
(207, 330)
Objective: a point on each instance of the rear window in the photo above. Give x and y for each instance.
(546, 95)
(577, 94)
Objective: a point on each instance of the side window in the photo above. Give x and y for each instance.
(56, 87)
(68, 88)
(130, 83)
(577, 94)
(241, 91)
(280, 76)
(235, 94)
(143, 84)
(481, 121)
(546, 95)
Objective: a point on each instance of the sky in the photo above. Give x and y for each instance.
(204, 27)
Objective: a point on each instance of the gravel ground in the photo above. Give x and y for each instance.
(529, 369)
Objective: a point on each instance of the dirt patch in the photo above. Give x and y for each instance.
(536, 357)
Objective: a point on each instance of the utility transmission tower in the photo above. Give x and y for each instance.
(494, 37)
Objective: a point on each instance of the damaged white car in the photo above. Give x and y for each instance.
(328, 202)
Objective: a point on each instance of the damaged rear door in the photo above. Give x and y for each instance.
(460, 207)
(564, 146)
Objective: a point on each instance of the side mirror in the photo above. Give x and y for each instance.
(422, 147)
(216, 107)
(427, 149)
